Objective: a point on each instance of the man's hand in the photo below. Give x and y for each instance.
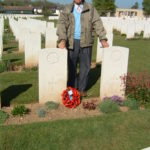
(104, 43)
(62, 44)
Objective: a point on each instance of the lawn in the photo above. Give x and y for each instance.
(119, 131)
(19, 87)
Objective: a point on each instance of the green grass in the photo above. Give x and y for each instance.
(9, 42)
(11, 46)
(119, 131)
(19, 88)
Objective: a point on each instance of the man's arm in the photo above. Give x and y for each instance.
(99, 28)
(62, 29)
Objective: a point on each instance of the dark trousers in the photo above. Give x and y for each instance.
(83, 56)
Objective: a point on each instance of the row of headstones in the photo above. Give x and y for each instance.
(5, 16)
(1, 36)
(28, 33)
(129, 26)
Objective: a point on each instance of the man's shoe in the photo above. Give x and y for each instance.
(83, 94)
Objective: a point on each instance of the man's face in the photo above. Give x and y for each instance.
(78, 1)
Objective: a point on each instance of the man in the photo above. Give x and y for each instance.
(75, 32)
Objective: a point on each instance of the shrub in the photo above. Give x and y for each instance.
(3, 116)
(3, 66)
(19, 110)
(147, 106)
(115, 99)
(89, 105)
(41, 113)
(51, 105)
(131, 103)
(30, 69)
(137, 86)
(108, 106)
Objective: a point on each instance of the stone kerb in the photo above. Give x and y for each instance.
(114, 65)
(52, 74)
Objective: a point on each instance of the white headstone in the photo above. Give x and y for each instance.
(32, 48)
(1, 47)
(52, 74)
(146, 34)
(1, 37)
(23, 33)
(114, 65)
(131, 30)
(51, 38)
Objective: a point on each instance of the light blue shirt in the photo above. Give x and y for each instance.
(77, 16)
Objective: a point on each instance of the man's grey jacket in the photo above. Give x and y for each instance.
(90, 22)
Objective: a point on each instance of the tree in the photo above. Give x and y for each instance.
(146, 7)
(104, 6)
(135, 6)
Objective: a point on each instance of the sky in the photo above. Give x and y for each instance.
(128, 3)
(119, 3)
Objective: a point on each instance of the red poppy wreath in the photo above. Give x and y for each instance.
(71, 97)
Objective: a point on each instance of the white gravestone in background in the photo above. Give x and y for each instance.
(1, 47)
(51, 38)
(99, 54)
(23, 33)
(52, 74)
(131, 30)
(146, 34)
(114, 65)
(32, 48)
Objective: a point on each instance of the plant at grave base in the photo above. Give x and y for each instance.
(3, 66)
(131, 103)
(147, 106)
(108, 106)
(41, 113)
(30, 69)
(89, 105)
(3, 116)
(51, 105)
(19, 110)
(115, 99)
(137, 86)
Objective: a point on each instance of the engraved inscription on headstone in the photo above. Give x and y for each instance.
(52, 58)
